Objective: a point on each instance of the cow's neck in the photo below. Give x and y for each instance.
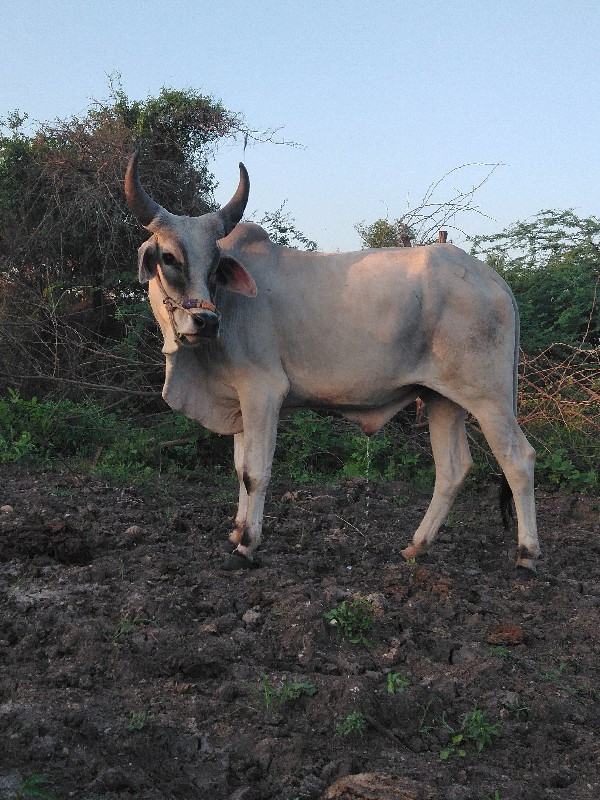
(194, 385)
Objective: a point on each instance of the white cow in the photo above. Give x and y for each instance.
(251, 328)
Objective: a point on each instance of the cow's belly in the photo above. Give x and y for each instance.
(371, 412)
(370, 381)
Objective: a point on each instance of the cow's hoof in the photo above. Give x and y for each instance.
(410, 552)
(526, 560)
(237, 561)
(526, 568)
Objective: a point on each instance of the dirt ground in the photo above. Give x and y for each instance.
(133, 666)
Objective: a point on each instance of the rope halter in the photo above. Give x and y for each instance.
(187, 305)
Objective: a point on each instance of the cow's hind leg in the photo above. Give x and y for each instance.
(235, 537)
(452, 464)
(516, 458)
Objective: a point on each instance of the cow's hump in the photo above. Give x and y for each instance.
(244, 235)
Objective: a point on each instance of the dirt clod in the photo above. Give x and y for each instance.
(375, 786)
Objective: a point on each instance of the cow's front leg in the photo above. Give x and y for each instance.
(235, 537)
(255, 456)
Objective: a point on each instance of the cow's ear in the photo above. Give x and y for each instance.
(147, 260)
(233, 276)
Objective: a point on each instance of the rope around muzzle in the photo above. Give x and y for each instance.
(187, 306)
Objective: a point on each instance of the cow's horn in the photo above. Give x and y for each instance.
(232, 213)
(141, 205)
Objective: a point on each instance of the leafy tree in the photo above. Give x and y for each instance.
(383, 233)
(282, 229)
(552, 264)
(71, 309)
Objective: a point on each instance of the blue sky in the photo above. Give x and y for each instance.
(384, 97)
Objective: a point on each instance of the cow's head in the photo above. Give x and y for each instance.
(183, 264)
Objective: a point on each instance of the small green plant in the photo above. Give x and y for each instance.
(425, 730)
(33, 787)
(361, 462)
(400, 502)
(354, 617)
(454, 747)
(354, 723)
(584, 689)
(477, 729)
(453, 519)
(267, 694)
(507, 655)
(473, 728)
(289, 691)
(554, 675)
(517, 709)
(125, 627)
(293, 691)
(397, 683)
(499, 650)
(138, 720)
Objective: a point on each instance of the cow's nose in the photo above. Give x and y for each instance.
(207, 323)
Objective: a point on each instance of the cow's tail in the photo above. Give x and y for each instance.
(506, 495)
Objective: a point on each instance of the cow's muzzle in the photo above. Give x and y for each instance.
(206, 323)
(202, 314)
(201, 324)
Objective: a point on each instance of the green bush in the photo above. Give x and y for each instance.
(105, 442)
(311, 447)
(317, 447)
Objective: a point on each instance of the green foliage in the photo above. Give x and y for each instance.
(354, 617)
(517, 709)
(397, 683)
(552, 264)
(383, 233)
(554, 675)
(106, 442)
(32, 788)
(288, 692)
(72, 238)
(139, 720)
(362, 459)
(473, 728)
(558, 471)
(313, 447)
(353, 724)
(306, 447)
(499, 650)
(283, 231)
(180, 124)
(125, 627)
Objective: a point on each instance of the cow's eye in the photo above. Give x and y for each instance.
(169, 259)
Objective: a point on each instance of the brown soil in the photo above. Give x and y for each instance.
(132, 665)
